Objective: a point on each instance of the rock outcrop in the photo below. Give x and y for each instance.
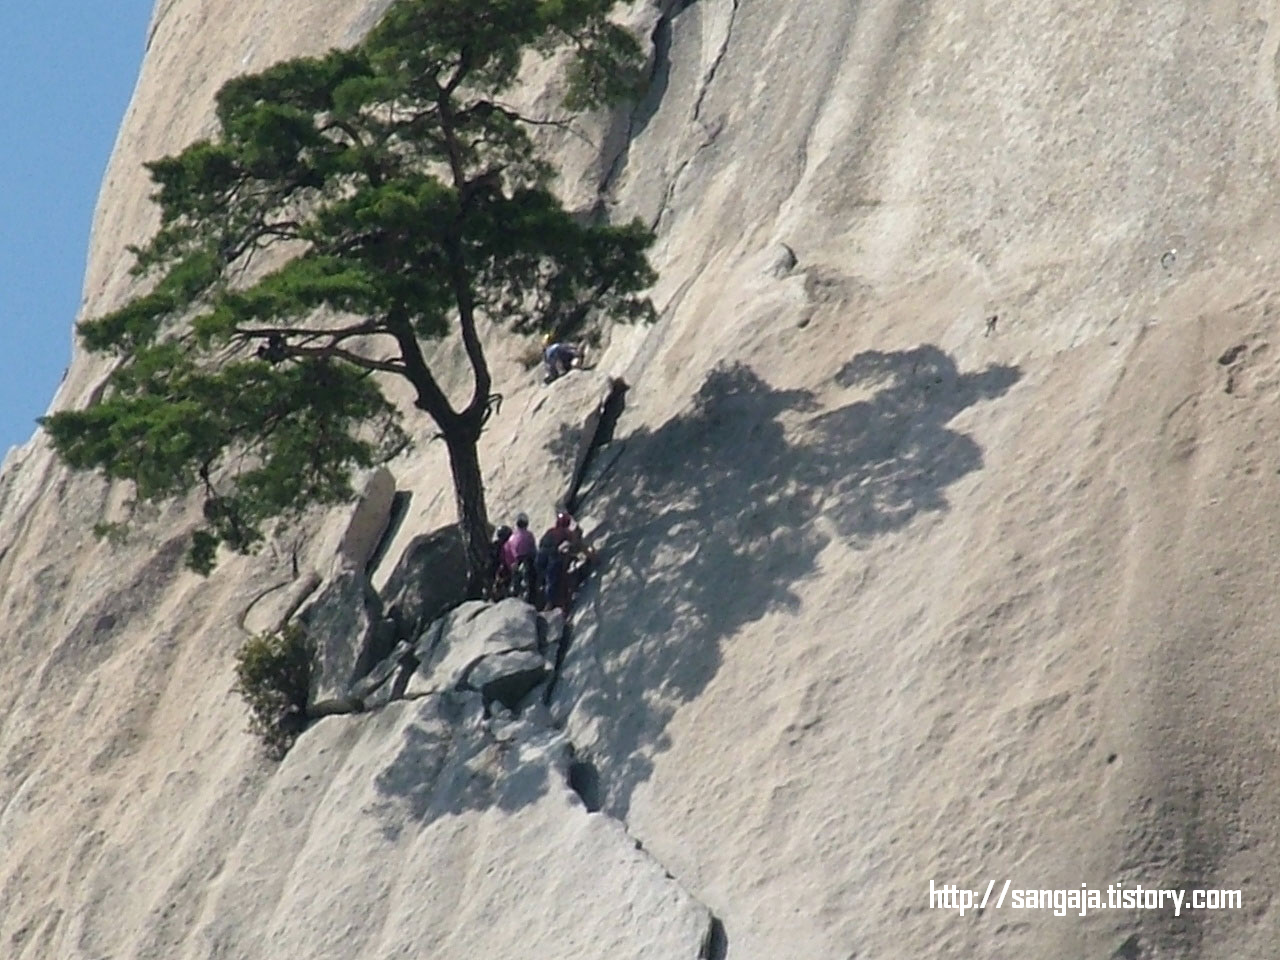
(344, 623)
(501, 651)
(440, 831)
(429, 578)
(889, 591)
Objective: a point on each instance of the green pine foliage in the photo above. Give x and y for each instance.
(273, 675)
(400, 200)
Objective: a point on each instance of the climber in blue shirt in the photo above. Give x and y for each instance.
(559, 359)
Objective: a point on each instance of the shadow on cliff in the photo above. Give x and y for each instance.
(726, 507)
(723, 510)
(448, 764)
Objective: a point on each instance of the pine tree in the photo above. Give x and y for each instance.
(350, 208)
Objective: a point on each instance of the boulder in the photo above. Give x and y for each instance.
(420, 682)
(506, 677)
(469, 635)
(429, 639)
(368, 521)
(369, 686)
(342, 623)
(450, 649)
(488, 648)
(509, 624)
(781, 261)
(430, 577)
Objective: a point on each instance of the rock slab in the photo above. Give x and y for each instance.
(343, 624)
(430, 577)
(454, 823)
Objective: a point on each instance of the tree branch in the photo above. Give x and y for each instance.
(333, 351)
(430, 397)
(459, 73)
(364, 328)
(346, 128)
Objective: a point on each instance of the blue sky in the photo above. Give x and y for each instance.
(67, 68)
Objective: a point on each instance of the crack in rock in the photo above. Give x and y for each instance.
(597, 430)
(502, 721)
(711, 131)
(257, 598)
(557, 663)
(710, 75)
(659, 69)
(661, 38)
(583, 778)
(713, 134)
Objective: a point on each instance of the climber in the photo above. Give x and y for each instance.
(499, 582)
(576, 554)
(559, 358)
(517, 556)
(559, 547)
(550, 562)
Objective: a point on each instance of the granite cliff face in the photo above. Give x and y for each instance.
(891, 592)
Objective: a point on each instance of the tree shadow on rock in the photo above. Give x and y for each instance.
(448, 764)
(726, 508)
(880, 462)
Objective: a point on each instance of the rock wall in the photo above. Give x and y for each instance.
(936, 535)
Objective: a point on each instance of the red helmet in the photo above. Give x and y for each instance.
(563, 520)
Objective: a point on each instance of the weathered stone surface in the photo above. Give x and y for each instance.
(365, 687)
(509, 624)
(430, 577)
(342, 623)
(272, 607)
(506, 677)
(421, 684)
(368, 521)
(470, 634)
(596, 430)
(891, 595)
(781, 261)
(564, 417)
(394, 689)
(466, 823)
(489, 648)
(551, 627)
(429, 639)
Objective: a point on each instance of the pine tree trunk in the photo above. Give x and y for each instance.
(473, 517)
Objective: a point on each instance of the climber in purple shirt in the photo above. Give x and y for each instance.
(520, 545)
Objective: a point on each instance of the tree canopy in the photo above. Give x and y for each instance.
(350, 207)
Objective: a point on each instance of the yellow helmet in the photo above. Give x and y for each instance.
(548, 339)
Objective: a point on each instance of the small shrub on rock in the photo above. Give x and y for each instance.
(273, 674)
